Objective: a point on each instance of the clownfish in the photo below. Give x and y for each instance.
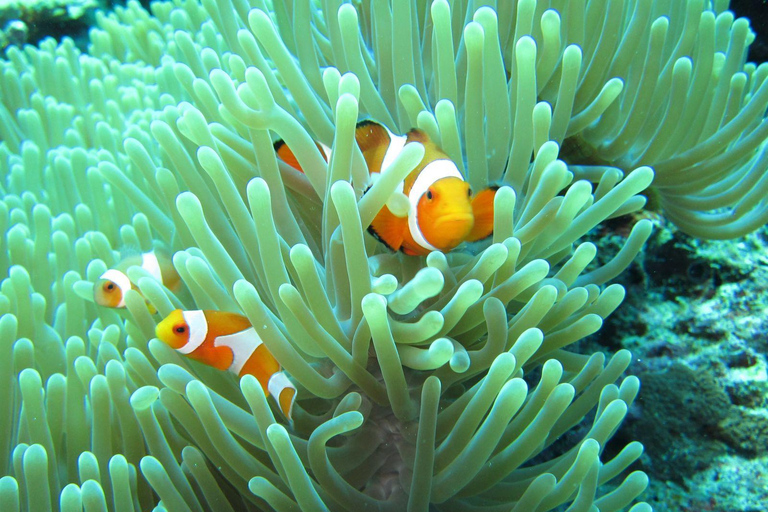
(112, 285)
(443, 210)
(227, 341)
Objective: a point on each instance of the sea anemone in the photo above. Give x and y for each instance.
(425, 383)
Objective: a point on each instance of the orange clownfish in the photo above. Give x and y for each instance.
(227, 341)
(112, 285)
(443, 211)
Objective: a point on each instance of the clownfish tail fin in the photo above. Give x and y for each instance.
(284, 393)
(286, 155)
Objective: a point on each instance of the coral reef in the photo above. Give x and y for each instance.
(676, 427)
(424, 383)
(704, 334)
(24, 21)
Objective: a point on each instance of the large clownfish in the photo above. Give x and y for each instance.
(112, 285)
(443, 210)
(227, 341)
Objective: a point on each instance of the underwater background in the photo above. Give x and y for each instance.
(99, 154)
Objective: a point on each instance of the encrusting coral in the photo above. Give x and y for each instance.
(423, 382)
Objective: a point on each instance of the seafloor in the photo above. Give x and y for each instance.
(696, 320)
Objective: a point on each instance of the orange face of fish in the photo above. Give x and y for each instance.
(445, 213)
(173, 330)
(107, 293)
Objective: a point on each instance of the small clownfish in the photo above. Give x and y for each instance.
(227, 341)
(112, 285)
(443, 211)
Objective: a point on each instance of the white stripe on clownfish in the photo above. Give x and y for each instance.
(434, 171)
(278, 383)
(152, 266)
(396, 145)
(327, 150)
(242, 344)
(198, 330)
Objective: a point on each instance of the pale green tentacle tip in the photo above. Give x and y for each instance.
(8, 484)
(525, 47)
(349, 94)
(437, 259)
(644, 176)
(93, 496)
(300, 253)
(485, 14)
(344, 422)
(351, 402)
(84, 290)
(590, 447)
(245, 293)
(460, 360)
(259, 189)
(384, 285)
(399, 204)
(71, 498)
(144, 397)
(29, 380)
(208, 158)
(373, 304)
(504, 363)
(527, 344)
(474, 35)
(623, 357)
(9, 324)
(439, 353)
(259, 20)
(197, 391)
(278, 436)
(341, 191)
(35, 455)
(9, 494)
(175, 377)
(187, 203)
(118, 464)
(427, 283)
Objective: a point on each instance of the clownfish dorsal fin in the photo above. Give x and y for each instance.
(370, 135)
(431, 150)
(377, 145)
(286, 154)
(389, 229)
(482, 211)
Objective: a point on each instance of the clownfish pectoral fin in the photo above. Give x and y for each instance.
(284, 393)
(389, 229)
(482, 210)
(287, 156)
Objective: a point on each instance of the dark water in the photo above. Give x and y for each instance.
(757, 12)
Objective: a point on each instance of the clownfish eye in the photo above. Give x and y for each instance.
(109, 286)
(430, 195)
(469, 192)
(180, 329)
